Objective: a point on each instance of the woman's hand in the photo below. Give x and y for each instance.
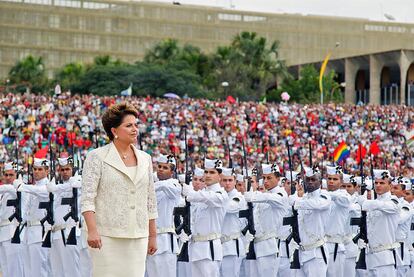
(152, 245)
(94, 239)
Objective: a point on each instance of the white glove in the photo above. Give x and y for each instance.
(249, 195)
(293, 244)
(18, 182)
(183, 237)
(76, 181)
(249, 237)
(51, 186)
(187, 189)
(361, 244)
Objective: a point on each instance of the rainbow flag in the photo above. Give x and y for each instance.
(409, 136)
(341, 152)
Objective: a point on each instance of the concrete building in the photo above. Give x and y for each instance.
(374, 59)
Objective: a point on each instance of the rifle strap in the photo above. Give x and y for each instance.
(324, 255)
(287, 249)
(212, 249)
(278, 247)
(63, 237)
(237, 247)
(172, 242)
(395, 258)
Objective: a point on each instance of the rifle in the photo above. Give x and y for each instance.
(302, 172)
(140, 141)
(73, 213)
(97, 131)
(361, 222)
(228, 150)
(372, 176)
(248, 213)
(48, 206)
(292, 186)
(17, 204)
(184, 212)
(292, 220)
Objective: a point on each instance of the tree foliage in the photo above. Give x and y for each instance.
(247, 69)
(29, 72)
(306, 88)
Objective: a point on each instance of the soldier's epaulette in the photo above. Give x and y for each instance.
(405, 208)
(280, 194)
(219, 192)
(324, 196)
(236, 199)
(394, 200)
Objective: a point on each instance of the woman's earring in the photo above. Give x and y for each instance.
(116, 136)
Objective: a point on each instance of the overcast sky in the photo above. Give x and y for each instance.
(400, 10)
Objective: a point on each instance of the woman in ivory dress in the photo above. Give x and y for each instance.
(118, 198)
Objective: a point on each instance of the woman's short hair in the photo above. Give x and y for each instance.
(113, 117)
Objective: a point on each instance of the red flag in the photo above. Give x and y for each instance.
(374, 148)
(360, 154)
(41, 154)
(230, 99)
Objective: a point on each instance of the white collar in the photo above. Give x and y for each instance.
(213, 187)
(41, 182)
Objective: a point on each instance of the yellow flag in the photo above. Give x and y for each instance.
(323, 68)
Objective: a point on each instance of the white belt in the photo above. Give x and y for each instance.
(311, 246)
(226, 238)
(348, 239)
(58, 227)
(384, 247)
(335, 239)
(213, 236)
(266, 237)
(4, 223)
(165, 230)
(33, 223)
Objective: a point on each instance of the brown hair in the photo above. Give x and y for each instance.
(113, 117)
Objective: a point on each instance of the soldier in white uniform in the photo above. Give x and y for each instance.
(383, 216)
(285, 249)
(409, 197)
(198, 183)
(205, 247)
(398, 189)
(351, 249)
(36, 260)
(337, 221)
(269, 209)
(313, 209)
(67, 260)
(233, 246)
(164, 260)
(10, 254)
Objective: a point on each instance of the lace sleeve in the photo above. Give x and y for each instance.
(90, 181)
(152, 199)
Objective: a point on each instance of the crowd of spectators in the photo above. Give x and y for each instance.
(72, 123)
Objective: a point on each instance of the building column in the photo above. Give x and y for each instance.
(350, 75)
(374, 80)
(404, 64)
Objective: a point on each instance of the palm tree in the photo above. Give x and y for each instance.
(162, 52)
(30, 70)
(70, 74)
